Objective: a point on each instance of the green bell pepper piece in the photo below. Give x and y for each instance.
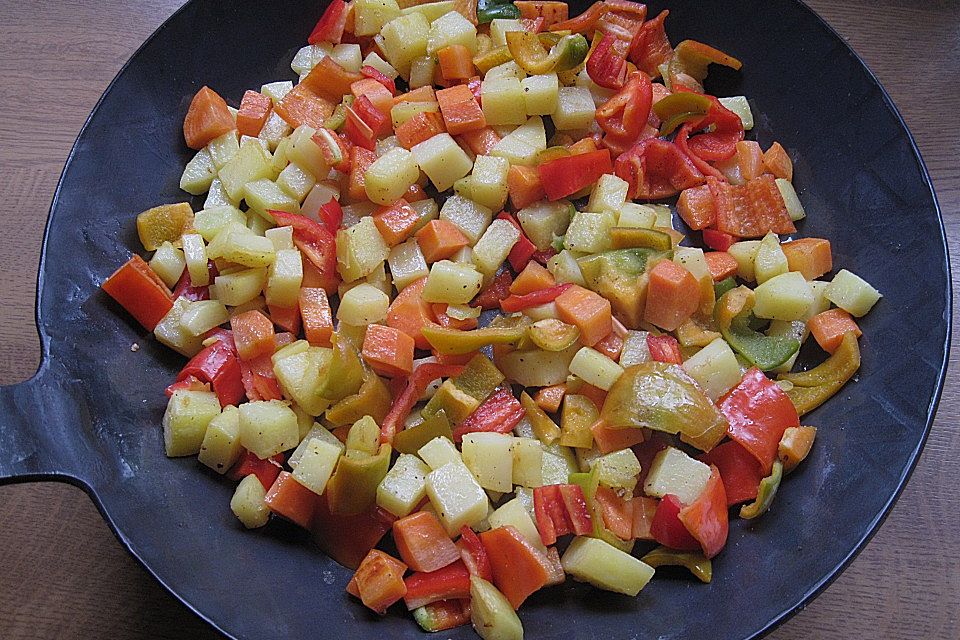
(339, 116)
(498, 11)
(412, 439)
(723, 286)
(353, 487)
(344, 374)
(814, 387)
(765, 494)
(677, 108)
(372, 398)
(589, 482)
(698, 565)
(732, 313)
(565, 53)
(479, 378)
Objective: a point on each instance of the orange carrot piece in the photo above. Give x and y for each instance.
(360, 161)
(409, 313)
(329, 80)
(378, 581)
(316, 315)
(534, 277)
(610, 346)
(440, 313)
(523, 184)
(721, 264)
(388, 351)
(287, 318)
(422, 542)
(480, 141)
(695, 207)
(456, 62)
(415, 193)
(673, 294)
(777, 162)
(292, 500)
(420, 94)
(440, 239)
(617, 512)
(609, 438)
(550, 398)
(551, 11)
(303, 106)
(396, 221)
(207, 118)
(750, 159)
(460, 109)
(589, 312)
(596, 394)
(253, 334)
(378, 95)
(644, 509)
(254, 109)
(810, 256)
(829, 327)
(420, 127)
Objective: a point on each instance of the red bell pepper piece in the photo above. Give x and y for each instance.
(335, 148)
(375, 119)
(606, 66)
(185, 289)
(473, 554)
(499, 413)
(656, 169)
(450, 582)
(370, 72)
(624, 116)
(560, 509)
(738, 469)
(523, 250)
(494, 292)
(750, 210)
(707, 519)
(519, 568)
(316, 243)
(189, 383)
(617, 512)
(249, 464)
(140, 291)
(567, 175)
(378, 581)
(219, 365)
(359, 132)
(758, 411)
(668, 530)
(417, 384)
(331, 24)
(650, 47)
(681, 140)
(664, 348)
(347, 539)
(422, 542)
(543, 257)
(644, 511)
(718, 240)
(513, 303)
(259, 380)
(724, 129)
(584, 22)
(331, 215)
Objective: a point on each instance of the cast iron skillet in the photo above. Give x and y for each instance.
(91, 414)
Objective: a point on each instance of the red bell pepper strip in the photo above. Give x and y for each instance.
(543, 257)
(140, 291)
(624, 116)
(668, 530)
(347, 539)
(250, 465)
(417, 385)
(499, 413)
(358, 131)
(189, 383)
(560, 509)
(758, 411)
(331, 24)
(656, 169)
(724, 130)
(259, 380)
(335, 148)
(523, 250)
(738, 469)
(718, 240)
(316, 243)
(514, 303)
(650, 47)
(473, 554)
(185, 289)
(371, 72)
(519, 568)
(494, 292)
(567, 175)
(584, 22)
(707, 519)
(219, 365)
(331, 215)
(606, 66)
(450, 582)
(378, 122)
(750, 210)
(664, 348)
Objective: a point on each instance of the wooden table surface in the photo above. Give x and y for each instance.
(63, 574)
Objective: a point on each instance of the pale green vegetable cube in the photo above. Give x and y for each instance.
(404, 39)
(457, 497)
(452, 283)
(558, 463)
(349, 56)
(544, 221)
(635, 349)
(770, 260)
(589, 232)
(277, 90)
(565, 268)
(268, 428)
(619, 469)
(250, 164)
(316, 465)
(527, 462)
(636, 215)
(499, 28)
(427, 210)
(463, 256)
(284, 278)
(491, 614)
(820, 302)
(170, 331)
(442, 159)
(316, 432)
(299, 374)
(217, 196)
(523, 144)
(371, 15)
(362, 305)
(714, 368)
(274, 130)
(609, 195)
(468, 216)
(257, 223)
(185, 421)
(664, 216)
(242, 246)
(403, 111)
(302, 150)
(264, 195)
(535, 367)
(360, 250)
(439, 452)
(449, 29)
(489, 181)
(595, 368)
(745, 253)
(389, 177)
(514, 514)
(604, 566)
(494, 246)
(404, 486)
(168, 263)
(674, 472)
(364, 436)
(381, 65)
(221, 448)
(407, 263)
(575, 109)
(852, 293)
(195, 255)
(740, 106)
(239, 287)
(209, 222)
(541, 94)
(223, 149)
(248, 503)
(542, 312)
(309, 56)
(199, 173)
(422, 71)
(280, 237)
(692, 260)
(506, 70)
(296, 182)
(783, 297)
(791, 200)
(203, 315)
(502, 101)
(488, 457)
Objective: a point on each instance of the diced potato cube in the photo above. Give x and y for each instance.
(595, 368)
(506, 70)
(349, 56)
(404, 486)
(745, 253)
(489, 181)
(442, 159)
(452, 283)
(264, 195)
(203, 315)
(619, 469)
(609, 195)
(468, 216)
(605, 567)
(274, 130)
(541, 94)
(499, 28)
(674, 472)
(360, 250)
(306, 153)
(381, 65)
(740, 106)
(523, 145)
(565, 268)
(240, 245)
(791, 200)
(852, 293)
(404, 39)
(491, 614)
(309, 56)
(258, 224)
(199, 173)
(439, 452)
(316, 465)
(407, 263)
(494, 246)
(545, 221)
(820, 302)
(223, 149)
(502, 101)
(284, 278)
(248, 503)
(277, 90)
(186, 419)
(636, 215)
(715, 368)
(450, 29)
(770, 260)
(488, 457)
(457, 497)
(317, 431)
(575, 109)
(783, 297)
(589, 232)
(170, 331)
(280, 237)
(558, 463)
(362, 305)
(514, 514)
(691, 259)
(195, 254)
(239, 287)
(403, 111)
(300, 374)
(527, 462)
(250, 164)
(371, 15)
(422, 71)
(296, 182)
(168, 263)
(389, 177)
(268, 427)
(209, 222)
(217, 196)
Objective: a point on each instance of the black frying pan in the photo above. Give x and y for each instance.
(91, 415)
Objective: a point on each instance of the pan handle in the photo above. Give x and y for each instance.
(39, 423)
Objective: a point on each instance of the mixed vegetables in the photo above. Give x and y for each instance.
(625, 390)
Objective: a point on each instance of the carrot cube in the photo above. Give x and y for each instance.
(480, 141)
(588, 311)
(420, 127)
(810, 256)
(360, 161)
(550, 398)
(673, 295)
(303, 106)
(396, 222)
(777, 162)
(750, 159)
(423, 543)
(207, 118)
(456, 62)
(254, 109)
(533, 278)
(440, 239)
(524, 186)
(420, 94)
(316, 315)
(460, 110)
(388, 351)
(695, 207)
(721, 265)
(829, 327)
(253, 334)
(609, 438)
(292, 500)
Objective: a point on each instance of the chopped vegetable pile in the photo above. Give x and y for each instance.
(625, 390)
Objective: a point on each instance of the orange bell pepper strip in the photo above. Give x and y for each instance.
(524, 186)
(388, 351)
(410, 313)
(617, 512)
(423, 543)
(519, 568)
(140, 291)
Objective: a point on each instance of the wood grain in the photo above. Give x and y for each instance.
(63, 573)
